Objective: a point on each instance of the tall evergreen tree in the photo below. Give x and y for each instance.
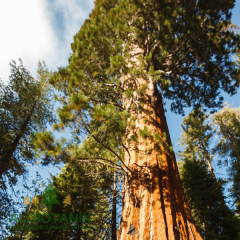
(127, 57)
(227, 121)
(197, 137)
(212, 217)
(25, 107)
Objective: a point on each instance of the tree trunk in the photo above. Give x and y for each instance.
(114, 209)
(6, 161)
(153, 200)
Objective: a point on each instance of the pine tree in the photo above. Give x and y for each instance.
(213, 218)
(127, 57)
(196, 137)
(227, 121)
(25, 108)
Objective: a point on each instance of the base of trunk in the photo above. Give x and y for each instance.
(156, 207)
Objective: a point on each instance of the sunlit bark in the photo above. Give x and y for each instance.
(153, 201)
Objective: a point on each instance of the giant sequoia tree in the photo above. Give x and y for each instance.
(127, 57)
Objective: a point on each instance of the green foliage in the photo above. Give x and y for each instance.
(25, 107)
(7, 208)
(227, 121)
(88, 193)
(213, 219)
(47, 148)
(187, 49)
(187, 53)
(196, 137)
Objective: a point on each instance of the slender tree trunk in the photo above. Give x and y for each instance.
(9, 154)
(114, 209)
(208, 161)
(153, 200)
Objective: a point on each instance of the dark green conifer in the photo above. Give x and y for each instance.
(213, 218)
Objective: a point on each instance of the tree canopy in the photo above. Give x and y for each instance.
(187, 51)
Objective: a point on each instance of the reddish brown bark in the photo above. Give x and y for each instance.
(153, 201)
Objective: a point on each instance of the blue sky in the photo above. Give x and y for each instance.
(36, 30)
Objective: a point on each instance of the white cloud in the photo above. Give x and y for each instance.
(25, 33)
(28, 31)
(73, 13)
